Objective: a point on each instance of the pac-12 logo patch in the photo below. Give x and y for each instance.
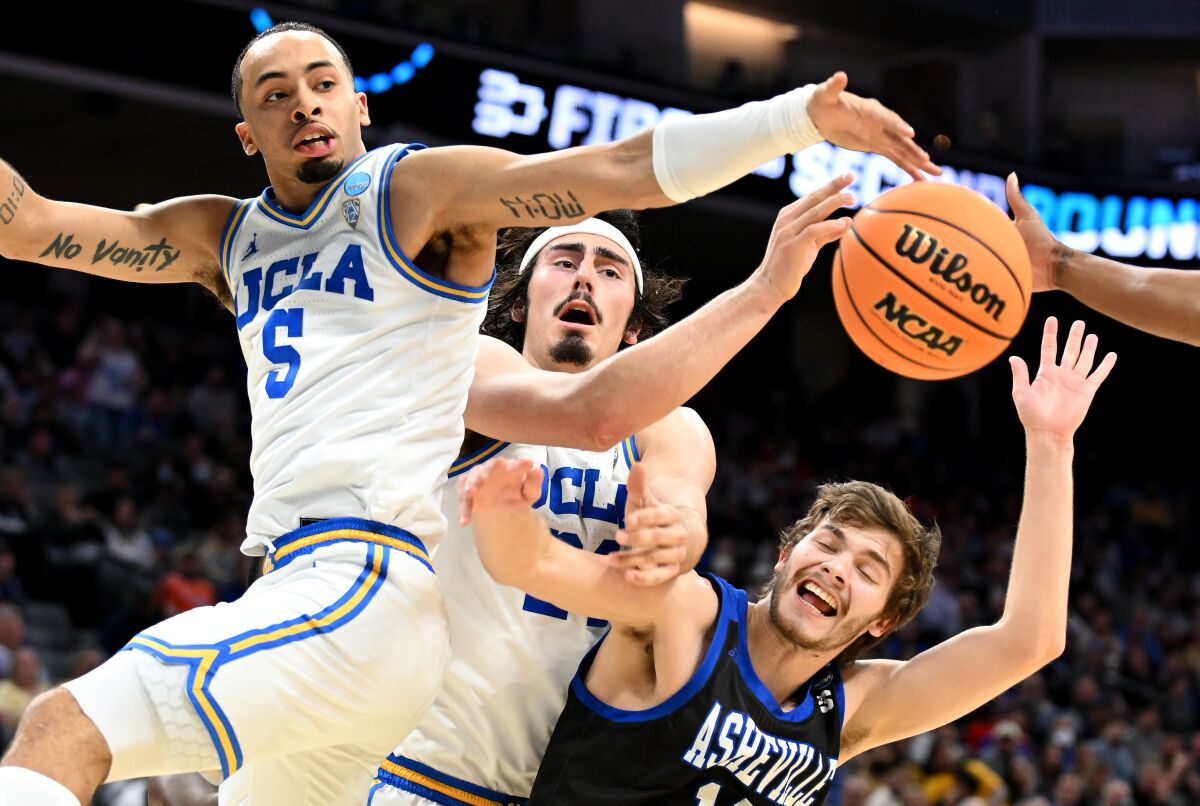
(350, 211)
(357, 182)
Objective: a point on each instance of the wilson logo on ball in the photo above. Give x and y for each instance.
(952, 272)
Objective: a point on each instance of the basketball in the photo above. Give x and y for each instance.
(931, 280)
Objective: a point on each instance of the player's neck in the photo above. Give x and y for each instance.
(779, 663)
(294, 195)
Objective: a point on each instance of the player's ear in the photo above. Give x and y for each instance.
(631, 334)
(882, 626)
(783, 555)
(364, 117)
(246, 138)
(518, 311)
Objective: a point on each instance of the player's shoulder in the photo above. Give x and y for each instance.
(683, 427)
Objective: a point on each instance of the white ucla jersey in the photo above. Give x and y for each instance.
(358, 363)
(512, 656)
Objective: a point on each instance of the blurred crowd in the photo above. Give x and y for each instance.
(124, 485)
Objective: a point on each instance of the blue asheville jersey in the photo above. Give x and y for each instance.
(358, 362)
(721, 740)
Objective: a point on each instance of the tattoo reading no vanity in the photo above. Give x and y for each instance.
(155, 256)
(12, 200)
(551, 206)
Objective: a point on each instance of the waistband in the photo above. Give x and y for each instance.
(307, 539)
(419, 779)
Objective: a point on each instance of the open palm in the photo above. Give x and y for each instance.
(1057, 400)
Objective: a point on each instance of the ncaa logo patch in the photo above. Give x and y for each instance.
(350, 211)
(357, 182)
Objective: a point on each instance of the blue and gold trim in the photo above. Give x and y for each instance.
(308, 539)
(422, 780)
(229, 236)
(305, 220)
(205, 660)
(629, 450)
(478, 457)
(402, 263)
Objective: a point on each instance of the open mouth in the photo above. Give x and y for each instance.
(316, 143)
(577, 313)
(818, 599)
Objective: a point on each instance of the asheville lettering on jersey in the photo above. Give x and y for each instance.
(265, 290)
(781, 770)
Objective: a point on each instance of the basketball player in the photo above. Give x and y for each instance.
(513, 654)
(1164, 302)
(696, 696)
(357, 281)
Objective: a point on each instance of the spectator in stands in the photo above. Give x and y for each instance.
(185, 587)
(12, 638)
(27, 681)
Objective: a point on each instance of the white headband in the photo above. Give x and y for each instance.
(591, 226)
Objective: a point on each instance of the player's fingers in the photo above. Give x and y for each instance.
(814, 197)
(1074, 344)
(1016, 200)
(1087, 356)
(818, 212)
(654, 515)
(1020, 373)
(827, 231)
(648, 579)
(1102, 371)
(1049, 344)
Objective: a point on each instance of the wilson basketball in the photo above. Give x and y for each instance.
(931, 280)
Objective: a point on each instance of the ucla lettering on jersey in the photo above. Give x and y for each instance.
(513, 654)
(721, 740)
(358, 362)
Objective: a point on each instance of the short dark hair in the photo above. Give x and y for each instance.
(511, 287)
(865, 505)
(235, 85)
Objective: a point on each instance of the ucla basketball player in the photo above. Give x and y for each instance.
(357, 280)
(566, 297)
(697, 696)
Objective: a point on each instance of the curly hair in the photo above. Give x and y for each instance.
(864, 505)
(511, 286)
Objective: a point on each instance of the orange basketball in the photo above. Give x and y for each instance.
(931, 280)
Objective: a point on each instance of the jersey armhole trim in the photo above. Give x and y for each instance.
(677, 700)
(402, 263)
(478, 457)
(629, 450)
(229, 236)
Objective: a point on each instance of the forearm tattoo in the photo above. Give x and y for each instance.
(10, 199)
(155, 256)
(550, 206)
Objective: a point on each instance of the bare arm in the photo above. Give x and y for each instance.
(625, 393)
(958, 675)
(666, 524)
(1163, 302)
(470, 192)
(172, 242)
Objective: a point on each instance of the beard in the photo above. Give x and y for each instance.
(572, 349)
(319, 171)
(839, 639)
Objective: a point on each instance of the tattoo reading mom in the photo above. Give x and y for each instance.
(12, 200)
(157, 255)
(545, 205)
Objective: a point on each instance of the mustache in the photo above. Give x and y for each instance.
(581, 296)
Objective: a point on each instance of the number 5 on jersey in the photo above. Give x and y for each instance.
(291, 322)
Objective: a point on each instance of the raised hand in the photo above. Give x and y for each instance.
(1044, 250)
(864, 124)
(497, 486)
(800, 230)
(1057, 400)
(654, 540)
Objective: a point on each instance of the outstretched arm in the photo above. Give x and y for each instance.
(172, 242)
(625, 393)
(1164, 302)
(958, 675)
(466, 190)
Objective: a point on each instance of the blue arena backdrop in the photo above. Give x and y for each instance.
(468, 94)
